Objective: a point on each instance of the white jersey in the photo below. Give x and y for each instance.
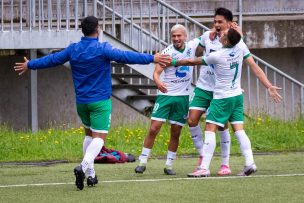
(227, 70)
(206, 80)
(178, 79)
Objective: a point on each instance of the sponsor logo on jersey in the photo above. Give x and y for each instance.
(182, 71)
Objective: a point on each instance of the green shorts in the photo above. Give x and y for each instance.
(96, 116)
(173, 108)
(201, 99)
(229, 109)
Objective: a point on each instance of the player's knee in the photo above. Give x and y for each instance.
(192, 122)
(153, 131)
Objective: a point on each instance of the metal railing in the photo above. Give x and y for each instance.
(146, 34)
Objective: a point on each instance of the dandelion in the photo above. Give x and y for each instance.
(56, 142)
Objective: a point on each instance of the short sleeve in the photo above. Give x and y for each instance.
(203, 38)
(211, 59)
(245, 50)
(194, 43)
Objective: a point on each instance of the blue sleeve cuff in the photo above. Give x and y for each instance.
(30, 65)
(151, 58)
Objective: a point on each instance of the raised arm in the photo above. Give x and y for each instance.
(156, 77)
(272, 90)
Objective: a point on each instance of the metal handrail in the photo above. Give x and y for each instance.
(182, 14)
(132, 23)
(277, 70)
(166, 16)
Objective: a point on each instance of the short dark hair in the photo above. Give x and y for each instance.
(233, 37)
(89, 25)
(224, 12)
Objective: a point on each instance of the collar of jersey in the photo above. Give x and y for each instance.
(89, 38)
(181, 51)
(228, 46)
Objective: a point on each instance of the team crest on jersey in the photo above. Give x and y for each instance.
(188, 52)
(232, 54)
(182, 71)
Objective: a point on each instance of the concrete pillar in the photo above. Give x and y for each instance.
(33, 104)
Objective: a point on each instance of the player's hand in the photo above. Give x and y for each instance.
(162, 59)
(162, 87)
(272, 90)
(21, 67)
(235, 26)
(212, 34)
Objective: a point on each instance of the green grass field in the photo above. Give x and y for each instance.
(280, 178)
(266, 135)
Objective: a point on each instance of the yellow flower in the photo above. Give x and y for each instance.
(56, 142)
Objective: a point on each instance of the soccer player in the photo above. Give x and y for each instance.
(172, 101)
(203, 93)
(227, 103)
(91, 70)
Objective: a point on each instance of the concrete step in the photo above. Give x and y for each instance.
(134, 86)
(142, 97)
(127, 75)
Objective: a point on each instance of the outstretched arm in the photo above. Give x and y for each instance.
(272, 90)
(47, 61)
(188, 62)
(132, 57)
(156, 77)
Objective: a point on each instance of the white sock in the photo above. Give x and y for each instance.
(225, 146)
(91, 152)
(245, 146)
(86, 142)
(145, 153)
(170, 158)
(208, 149)
(91, 170)
(197, 137)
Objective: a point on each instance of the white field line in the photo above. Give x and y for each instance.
(156, 180)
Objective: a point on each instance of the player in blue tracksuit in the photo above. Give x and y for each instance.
(91, 69)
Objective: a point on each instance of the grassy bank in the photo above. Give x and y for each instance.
(56, 144)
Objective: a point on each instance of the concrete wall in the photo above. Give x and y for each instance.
(56, 99)
(289, 60)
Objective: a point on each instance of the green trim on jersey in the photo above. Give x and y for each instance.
(96, 116)
(201, 45)
(246, 56)
(204, 62)
(228, 46)
(182, 50)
